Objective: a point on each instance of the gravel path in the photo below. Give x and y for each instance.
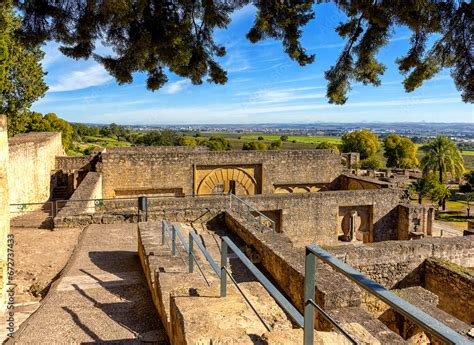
(101, 297)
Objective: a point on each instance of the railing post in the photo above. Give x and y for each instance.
(309, 295)
(190, 254)
(173, 241)
(223, 269)
(162, 232)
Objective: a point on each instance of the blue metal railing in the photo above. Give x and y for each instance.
(423, 320)
(267, 284)
(175, 231)
(222, 272)
(245, 209)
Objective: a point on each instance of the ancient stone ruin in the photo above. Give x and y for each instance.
(272, 205)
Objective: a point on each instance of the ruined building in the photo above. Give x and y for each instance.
(272, 204)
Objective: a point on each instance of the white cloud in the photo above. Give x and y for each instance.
(52, 54)
(285, 95)
(77, 80)
(177, 86)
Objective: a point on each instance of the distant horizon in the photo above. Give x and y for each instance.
(281, 123)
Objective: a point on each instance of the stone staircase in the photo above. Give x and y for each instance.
(60, 193)
(190, 305)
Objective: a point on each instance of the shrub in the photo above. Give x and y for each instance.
(373, 162)
(275, 145)
(254, 145)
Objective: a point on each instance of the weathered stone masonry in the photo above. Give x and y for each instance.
(32, 159)
(177, 170)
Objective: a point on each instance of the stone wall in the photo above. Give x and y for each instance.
(83, 200)
(174, 169)
(4, 208)
(304, 217)
(400, 264)
(70, 163)
(353, 182)
(315, 217)
(414, 220)
(334, 293)
(454, 285)
(32, 158)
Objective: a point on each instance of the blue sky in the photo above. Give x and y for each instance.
(264, 86)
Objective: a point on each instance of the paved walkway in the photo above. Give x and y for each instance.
(101, 296)
(445, 228)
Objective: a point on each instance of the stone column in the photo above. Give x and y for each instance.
(4, 207)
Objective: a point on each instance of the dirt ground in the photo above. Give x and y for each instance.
(40, 254)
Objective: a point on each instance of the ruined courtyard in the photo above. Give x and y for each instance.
(134, 277)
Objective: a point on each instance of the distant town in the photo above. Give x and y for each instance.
(418, 132)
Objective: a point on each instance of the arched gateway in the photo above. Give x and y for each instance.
(225, 180)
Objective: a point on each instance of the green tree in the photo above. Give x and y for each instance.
(284, 138)
(400, 152)
(363, 141)
(372, 162)
(469, 176)
(439, 194)
(117, 131)
(59, 125)
(260, 138)
(275, 145)
(254, 145)
(188, 141)
(178, 36)
(85, 130)
(423, 186)
(442, 157)
(50, 123)
(326, 145)
(6, 24)
(467, 187)
(218, 144)
(21, 74)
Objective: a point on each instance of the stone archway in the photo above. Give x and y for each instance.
(225, 180)
(355, 223)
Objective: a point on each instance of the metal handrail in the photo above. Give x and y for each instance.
(204, 251)
(253, 208)
(172, 235)
(281, 300)
(333, 322)
(188, 248)
(250, 207)
(423, 320)
(248, 300)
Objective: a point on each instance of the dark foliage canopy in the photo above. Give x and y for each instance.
(177, 35)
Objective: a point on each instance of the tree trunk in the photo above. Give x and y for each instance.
(419, 199)
(440, 176)
(444, 204)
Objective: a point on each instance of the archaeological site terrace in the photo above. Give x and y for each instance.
(223, 244)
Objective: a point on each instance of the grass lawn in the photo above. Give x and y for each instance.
(452, 216)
